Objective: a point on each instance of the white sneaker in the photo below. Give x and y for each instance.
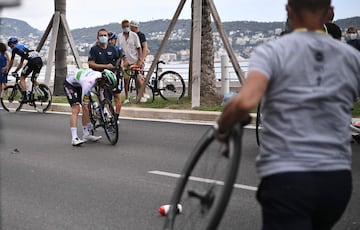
(143, 99)
(147, 96)
(127, 101)
(77, 142)
(91, 138)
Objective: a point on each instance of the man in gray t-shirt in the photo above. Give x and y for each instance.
(309, 82)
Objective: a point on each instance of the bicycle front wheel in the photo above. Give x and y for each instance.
(10, 98)
(42, 98)
(110, 123)
(206, 183)
(171, 85)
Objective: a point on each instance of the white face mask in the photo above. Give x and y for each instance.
(352, 36)
(126, 29)
(103, 39)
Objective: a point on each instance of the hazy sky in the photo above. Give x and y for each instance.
(88, 13)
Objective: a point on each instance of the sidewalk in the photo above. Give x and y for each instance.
(166, 114)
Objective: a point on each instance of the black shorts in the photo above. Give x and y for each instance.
(119, 85)
(73, 93)
(33, 65)
(304, 200)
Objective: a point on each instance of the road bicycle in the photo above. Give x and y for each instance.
(258, 123)
(169, 84)
(102, 114)
(206, 181)
(39, 96)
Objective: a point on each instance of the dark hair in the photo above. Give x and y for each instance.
(309, 4)
(2, 47)
(333, 30)
(102, 29)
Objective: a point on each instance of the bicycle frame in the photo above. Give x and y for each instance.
(104, 116)
(168, 84)
(39, 96)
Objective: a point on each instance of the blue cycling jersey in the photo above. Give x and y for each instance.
(23, 52)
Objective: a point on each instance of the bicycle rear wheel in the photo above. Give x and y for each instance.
(42, 98)
(110, 123)
(10, 98)
(171, 85)
(206, 183)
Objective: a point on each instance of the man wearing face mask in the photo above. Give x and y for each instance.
(352, 34)
(130, 43)
(104, 56)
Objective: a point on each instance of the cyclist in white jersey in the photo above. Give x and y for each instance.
(77, 86)
(308, 83)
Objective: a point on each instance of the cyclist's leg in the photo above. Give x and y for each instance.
(36, 65)
(24, 73)
(73, 96)
(87, 125)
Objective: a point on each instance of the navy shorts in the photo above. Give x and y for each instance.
(304, 200)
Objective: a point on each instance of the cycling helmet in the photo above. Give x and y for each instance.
(112, 35)
(109, 77)
(12, 40)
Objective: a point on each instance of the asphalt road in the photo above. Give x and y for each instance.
(46, 184)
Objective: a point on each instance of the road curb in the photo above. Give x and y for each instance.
(150, 113)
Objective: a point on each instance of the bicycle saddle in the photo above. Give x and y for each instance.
(135, 67)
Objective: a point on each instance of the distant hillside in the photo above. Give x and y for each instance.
(9, 26)
(347, 22)
(154, 29)
(14, 27)
(156, 26)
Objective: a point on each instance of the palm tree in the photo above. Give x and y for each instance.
(60, 52)
(208, 79)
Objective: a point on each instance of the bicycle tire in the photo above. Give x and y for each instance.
(258, 123)
(93, 118)
(42, 98)
(109, 121)
(204, 212)
(171, 85)
(11, 98)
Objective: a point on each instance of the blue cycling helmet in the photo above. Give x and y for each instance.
(12, 40)
(112, 35)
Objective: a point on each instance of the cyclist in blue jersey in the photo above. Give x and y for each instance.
(33, 65)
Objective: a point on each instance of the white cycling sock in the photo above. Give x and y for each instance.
(73, 132)
(85, 130)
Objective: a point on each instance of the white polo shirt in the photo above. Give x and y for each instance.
(130, 46)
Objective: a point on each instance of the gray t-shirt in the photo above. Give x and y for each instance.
(313, 83)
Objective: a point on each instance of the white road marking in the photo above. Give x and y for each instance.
(204, 180)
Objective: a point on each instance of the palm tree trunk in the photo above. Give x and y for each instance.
(208, 79)
(60, 52)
